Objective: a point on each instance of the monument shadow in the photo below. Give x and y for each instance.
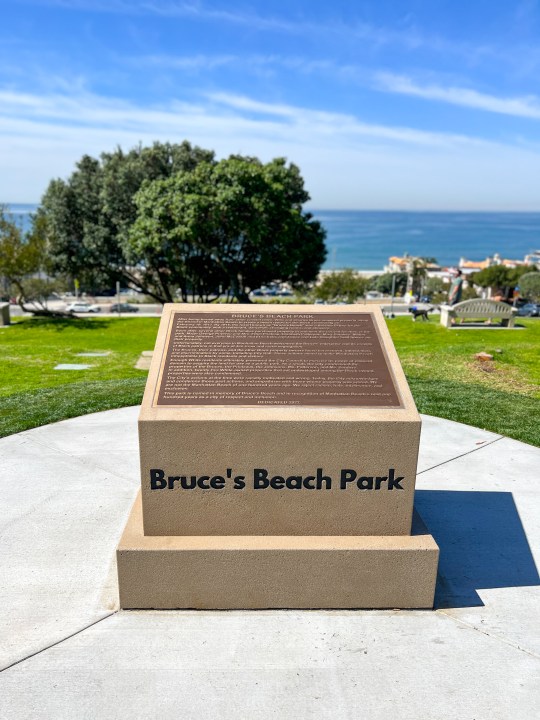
(482, 544)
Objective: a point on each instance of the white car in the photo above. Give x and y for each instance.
(83, 307)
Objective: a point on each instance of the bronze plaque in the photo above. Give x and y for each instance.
(253, 359)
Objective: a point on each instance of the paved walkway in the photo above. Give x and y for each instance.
(67, 652)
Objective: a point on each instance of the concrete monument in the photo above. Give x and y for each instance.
(278, 449)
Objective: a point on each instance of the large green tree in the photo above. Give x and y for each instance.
(89, 215)
(171, 218)
(226, 227)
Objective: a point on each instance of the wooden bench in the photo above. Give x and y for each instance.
(478, 309)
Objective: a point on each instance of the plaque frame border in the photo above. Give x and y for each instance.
(247, 406)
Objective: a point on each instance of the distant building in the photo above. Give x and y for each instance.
(405, 264)
(398, 264)
(533, 258)
(470, 266)
(359, 273)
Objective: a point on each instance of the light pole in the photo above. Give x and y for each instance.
(118, 297)
(392, 298)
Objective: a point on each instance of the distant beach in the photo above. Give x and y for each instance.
(364, 240)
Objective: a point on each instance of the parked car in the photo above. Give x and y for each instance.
(83, 307)
(530, 309)
(123, 307)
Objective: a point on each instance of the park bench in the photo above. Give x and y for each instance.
(478, 309)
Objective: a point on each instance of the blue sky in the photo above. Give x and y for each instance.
(383, 105)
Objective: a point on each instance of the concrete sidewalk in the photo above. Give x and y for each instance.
(67, 652)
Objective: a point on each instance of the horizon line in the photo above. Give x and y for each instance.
(310, 208)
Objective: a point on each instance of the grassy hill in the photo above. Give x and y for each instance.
(446, 380)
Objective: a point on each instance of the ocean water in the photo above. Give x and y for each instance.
(366, 239)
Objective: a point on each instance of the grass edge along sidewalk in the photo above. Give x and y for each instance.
(502, 396)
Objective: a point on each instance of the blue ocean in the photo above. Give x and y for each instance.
(366, 239)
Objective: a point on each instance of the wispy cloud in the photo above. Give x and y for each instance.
(206, 12)
(195, 63)
(333, 29)
(352, 28)
(527, 107)
(346, 161)
(344, 126)
(227, 112)
(247, 63)
(194, 10)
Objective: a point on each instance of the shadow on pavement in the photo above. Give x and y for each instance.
(482, 543)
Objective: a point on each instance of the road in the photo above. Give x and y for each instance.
(154, 310)
(146, 310)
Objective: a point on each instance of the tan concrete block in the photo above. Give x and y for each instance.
(288, 441)
(285, 450)
(256, 572)
(143, 362)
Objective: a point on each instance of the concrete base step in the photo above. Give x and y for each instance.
(256, 572)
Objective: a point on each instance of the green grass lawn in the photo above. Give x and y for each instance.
(446, 380)
(502, 396)
(32, 393)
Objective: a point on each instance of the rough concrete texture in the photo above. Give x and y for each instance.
(262, 571)
(66, 493)
(286, 441)
(5, 319)
(283, 449)
(143, 362)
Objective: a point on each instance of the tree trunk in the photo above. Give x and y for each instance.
(237, 287)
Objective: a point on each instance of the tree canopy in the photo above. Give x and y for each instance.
(231, 226)
(383, 283)
(171, 218)
(529, 285)
(24, 265)
(345, 285)
(88, 215)
(500, 276)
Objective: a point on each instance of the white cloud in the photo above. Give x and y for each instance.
(346, 127)
(227, 112)
(346, 162)
(528, 107)
(183, 62)
(247, 63)
(349, 25)
(171, 9)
